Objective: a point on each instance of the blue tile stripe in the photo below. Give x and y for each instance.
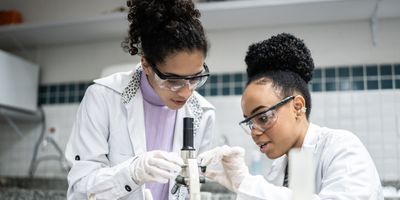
(62, 93)
(358, 77)
(327, 79)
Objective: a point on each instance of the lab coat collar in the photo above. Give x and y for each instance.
(277, 172)
(117, 81)
(136, 125)
(128, 85)
(311, 138)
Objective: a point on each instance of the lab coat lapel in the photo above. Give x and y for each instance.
(311, 138)
(132, 99)
(277, 172)
(136, 125)
(311, 143)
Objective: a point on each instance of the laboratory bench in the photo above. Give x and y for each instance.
(20, 188)
(24, 188)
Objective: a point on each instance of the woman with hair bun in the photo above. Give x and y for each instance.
(126, 139)
(276, 105)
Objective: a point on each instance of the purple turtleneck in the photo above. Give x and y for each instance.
(159, 123)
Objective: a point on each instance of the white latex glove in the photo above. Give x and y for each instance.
(234, 167)
(156, 166)
(147, 195)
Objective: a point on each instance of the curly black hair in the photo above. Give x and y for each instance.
(159, 28)
(286, 61)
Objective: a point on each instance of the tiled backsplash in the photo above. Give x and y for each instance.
(341, 78)
(62, 92)
(369, 77)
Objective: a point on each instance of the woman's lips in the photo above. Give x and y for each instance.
(179, 102)
(263, 147)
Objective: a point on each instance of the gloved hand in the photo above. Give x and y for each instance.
(155, 166)
(234, 167)
(147, 194)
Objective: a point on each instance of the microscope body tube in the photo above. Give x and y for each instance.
(189, 176)
(188, 134)
(188, 151)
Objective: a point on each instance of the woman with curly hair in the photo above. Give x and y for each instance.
(276, 105)
(126, 139)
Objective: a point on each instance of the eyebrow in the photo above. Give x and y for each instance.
(172, 74)
(255, 110)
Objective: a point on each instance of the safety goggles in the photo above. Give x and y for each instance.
(175, 83)
(263, 120)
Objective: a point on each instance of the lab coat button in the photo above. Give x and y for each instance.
(127, 188)
(77, 157)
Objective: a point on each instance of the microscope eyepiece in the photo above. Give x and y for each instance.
(188, 134)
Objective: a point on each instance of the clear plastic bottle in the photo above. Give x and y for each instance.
(256, 166)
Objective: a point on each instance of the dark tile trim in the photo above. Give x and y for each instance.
(328, 79)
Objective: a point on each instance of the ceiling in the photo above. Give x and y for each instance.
(250, 13)
(234, 14)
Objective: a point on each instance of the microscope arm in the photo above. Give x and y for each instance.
(194, 183)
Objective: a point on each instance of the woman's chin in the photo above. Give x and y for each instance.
(174, 106)
(272, 155)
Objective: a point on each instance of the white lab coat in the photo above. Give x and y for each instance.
(109, 131)
(343, 168)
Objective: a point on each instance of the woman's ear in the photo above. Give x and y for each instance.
(145, 65)
(299, 104)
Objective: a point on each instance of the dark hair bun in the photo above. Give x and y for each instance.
(160, 13)
(281, 52)
(153, 21)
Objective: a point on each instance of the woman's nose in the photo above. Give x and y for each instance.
(256, 132)
(185, 91)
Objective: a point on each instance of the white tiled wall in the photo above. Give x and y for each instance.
(16, 152)
(372, 115)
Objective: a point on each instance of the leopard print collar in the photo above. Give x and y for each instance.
(193, 103)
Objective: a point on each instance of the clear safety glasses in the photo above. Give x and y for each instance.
(263, 120)
(175, 83)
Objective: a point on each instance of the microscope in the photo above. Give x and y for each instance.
(189, 176)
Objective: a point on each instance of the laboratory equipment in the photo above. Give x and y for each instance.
(189, 176)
